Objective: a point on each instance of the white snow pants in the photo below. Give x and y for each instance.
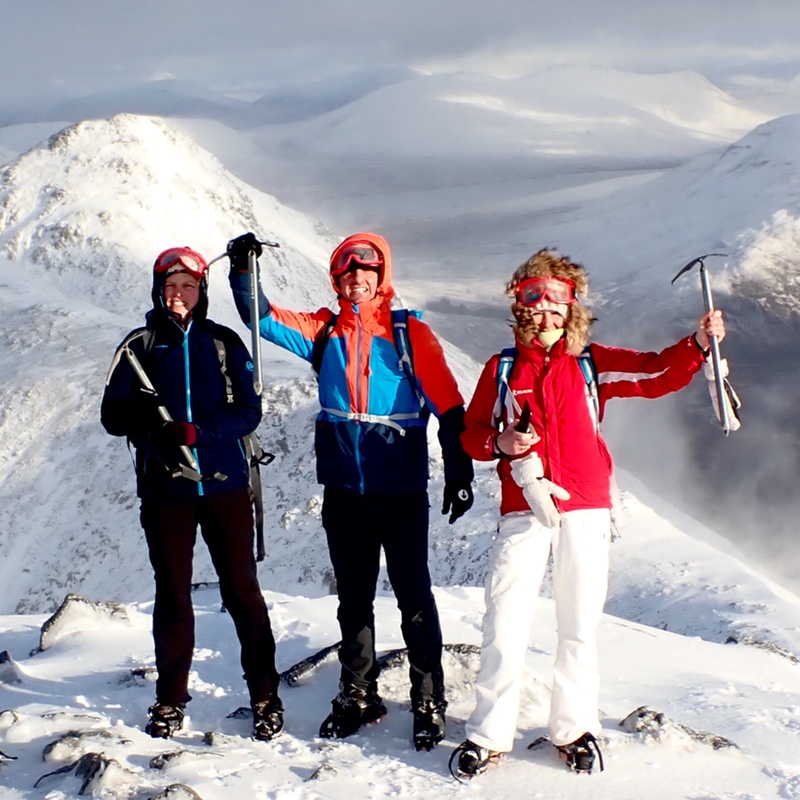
(517, 563)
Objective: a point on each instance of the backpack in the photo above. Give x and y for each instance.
(504, 397)
(255, 455)
(586, 363)
(402, 343)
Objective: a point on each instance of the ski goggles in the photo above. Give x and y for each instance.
(181, 259)
(533, 291)
(355, 255)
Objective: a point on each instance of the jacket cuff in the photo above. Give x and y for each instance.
(706, 352)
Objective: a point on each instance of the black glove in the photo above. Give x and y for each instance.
(239, 249)
(458, 499)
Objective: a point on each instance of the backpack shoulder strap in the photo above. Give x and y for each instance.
(320, 343)
(137, 333)
(589, 371)
(402, 343)
(505, 398)
(219, 344)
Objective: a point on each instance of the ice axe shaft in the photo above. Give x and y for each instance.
(255, 313)
(716, 360)
(255, 316)
(162, 411)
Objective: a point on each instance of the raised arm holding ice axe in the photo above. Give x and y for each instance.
(724, 399)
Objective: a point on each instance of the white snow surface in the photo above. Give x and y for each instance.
(631, 136)
(675, 600)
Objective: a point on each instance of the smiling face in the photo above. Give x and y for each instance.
(358, 285)
(548, 320)
(181, 293)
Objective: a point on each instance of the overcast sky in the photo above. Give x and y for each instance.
(83, 46)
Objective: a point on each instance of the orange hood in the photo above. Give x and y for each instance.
(385, 288)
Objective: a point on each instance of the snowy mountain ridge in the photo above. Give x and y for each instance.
(83, 216)
(466, 174)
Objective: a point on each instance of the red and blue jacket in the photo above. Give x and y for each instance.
(371, 431)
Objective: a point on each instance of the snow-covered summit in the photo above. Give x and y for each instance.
(88, 210)
(82, 217)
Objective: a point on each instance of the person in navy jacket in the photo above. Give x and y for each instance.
(191, 470)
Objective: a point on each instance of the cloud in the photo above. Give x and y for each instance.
(87, 45)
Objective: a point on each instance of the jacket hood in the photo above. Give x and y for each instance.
(545, 263)
(199, 312)
(385, 288)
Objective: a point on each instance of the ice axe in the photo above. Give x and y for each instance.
(255, 315)
(724, 401)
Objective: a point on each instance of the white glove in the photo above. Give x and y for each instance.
(528, 474)
(730, 398)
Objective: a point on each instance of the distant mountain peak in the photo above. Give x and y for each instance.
(102, 196)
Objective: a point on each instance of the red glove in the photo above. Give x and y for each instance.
(179, 433)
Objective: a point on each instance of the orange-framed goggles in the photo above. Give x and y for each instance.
(355, 255)
(181, 259)
(533, 291)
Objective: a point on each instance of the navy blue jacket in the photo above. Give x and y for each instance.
(184, 367)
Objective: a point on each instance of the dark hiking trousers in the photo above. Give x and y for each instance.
(357, 526)
(226, 524)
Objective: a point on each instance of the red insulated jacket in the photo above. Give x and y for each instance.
(572, 451)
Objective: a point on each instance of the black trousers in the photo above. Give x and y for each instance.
(226, 524)
(357, 526)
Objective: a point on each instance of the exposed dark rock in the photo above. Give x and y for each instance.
(72, 614)
(387, 660)
(73, 744)
(9, 670)
(177, 791)
(770, 647)
(648, 722)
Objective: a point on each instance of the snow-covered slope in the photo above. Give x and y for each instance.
(83, 216)
(690, 633)
(742, 200)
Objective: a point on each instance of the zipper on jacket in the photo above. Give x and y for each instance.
(545, 370)
(189, 398)
(359, 339)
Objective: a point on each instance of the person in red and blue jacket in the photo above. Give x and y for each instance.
(556, 497)
(371, 447)
(192, 470)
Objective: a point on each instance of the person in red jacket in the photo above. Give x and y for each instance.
(556, 478)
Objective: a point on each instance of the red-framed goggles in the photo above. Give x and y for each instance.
(355, 255)
(557, 290)
(181, 259)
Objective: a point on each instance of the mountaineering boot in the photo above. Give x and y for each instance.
(469, 760)
(580, 754)
(164, 721)
(352, 708)
(267, 719)
(429, 723)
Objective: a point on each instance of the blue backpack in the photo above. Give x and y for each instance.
(505, 400)
(402, 344)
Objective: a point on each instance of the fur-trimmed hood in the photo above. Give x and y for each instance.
(544, 263)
